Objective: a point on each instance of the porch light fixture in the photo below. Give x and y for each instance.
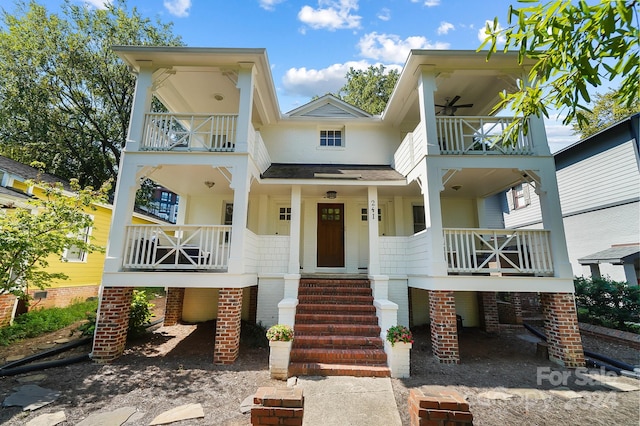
(218, 96)
(332, 195)
(456, 187)
(209, 184)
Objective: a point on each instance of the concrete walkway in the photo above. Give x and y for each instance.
(343, 401)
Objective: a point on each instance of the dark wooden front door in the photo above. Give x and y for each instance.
(330, 235)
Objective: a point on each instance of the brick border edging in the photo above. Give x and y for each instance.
(617, 336)
(277, 406)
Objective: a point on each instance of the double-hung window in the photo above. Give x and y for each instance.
(331, 138)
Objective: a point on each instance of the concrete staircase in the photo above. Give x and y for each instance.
(336, 331)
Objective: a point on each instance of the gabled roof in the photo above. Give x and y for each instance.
(328, 106)
(27, 172)
(616, 255)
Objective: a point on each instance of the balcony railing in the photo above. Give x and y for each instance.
(177, 247)
(498, 251)
(189, 132)
(479, 135)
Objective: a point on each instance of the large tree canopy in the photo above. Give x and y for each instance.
(65, 98)
(369, 89)
(606, 110)
(576, 47)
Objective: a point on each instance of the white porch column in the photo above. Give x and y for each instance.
(125, 197)
(374, 240)
(240, 185)
(426, 88)
(538, 135)
(552, 219)
(431, 186)
(630, 274)
(245, 83)
(294, 233)
(141, 105)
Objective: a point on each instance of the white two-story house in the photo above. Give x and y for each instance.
(271, 202)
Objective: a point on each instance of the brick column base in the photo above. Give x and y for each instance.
(517, 307)
(433, 405)
(489, 312)
(277, 407)
(173, 308)
(112, 324)
(227, 344)
(561, 328)
(7, 304)
(444, 332)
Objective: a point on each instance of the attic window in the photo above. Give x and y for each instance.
(330, 138)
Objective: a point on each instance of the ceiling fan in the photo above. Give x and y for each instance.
(449, 108)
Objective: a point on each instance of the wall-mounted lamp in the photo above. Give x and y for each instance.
(456, 187)
(332, 195)
(218, 96)
(209, 184)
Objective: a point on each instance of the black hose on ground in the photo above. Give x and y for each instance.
(44, 365)
(47, 353)
(619, 364)
(600, 364)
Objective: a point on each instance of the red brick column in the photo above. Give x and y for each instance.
(490, 318)
(112, 324)
(561, 328)
(444, 332)
(227, 344)
(7, 302)
(517, 307)
(173, 307)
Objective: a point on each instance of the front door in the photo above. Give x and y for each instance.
(330, 235)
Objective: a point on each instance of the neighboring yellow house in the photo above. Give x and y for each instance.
(83, 269)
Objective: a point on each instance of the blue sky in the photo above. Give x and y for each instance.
(312, 43)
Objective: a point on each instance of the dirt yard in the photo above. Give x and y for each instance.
(173, 366)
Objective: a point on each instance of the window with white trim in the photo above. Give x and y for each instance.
(76, 253)
(364, 215)
(520, 196)
(419, 222)
(285, 213)
(331, 138)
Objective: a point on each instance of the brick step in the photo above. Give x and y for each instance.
(335, 319)
(339, 356)
(320, 369)
(306, 282)
(326, 308)
(333, 291)
(365, 330)
(337, 342)
(350, 299)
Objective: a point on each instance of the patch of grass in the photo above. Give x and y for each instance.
(40, 321)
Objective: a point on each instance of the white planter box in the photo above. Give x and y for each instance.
(279, 359)
(398, 358)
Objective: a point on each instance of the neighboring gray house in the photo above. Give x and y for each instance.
(599, 186)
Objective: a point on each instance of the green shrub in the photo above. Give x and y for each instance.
(609, 303)
(253, 335)
(140, 312)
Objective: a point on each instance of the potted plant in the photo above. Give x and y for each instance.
(280, 341)
(398, 345)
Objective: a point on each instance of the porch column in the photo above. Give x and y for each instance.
(426, 89)
(246, 76)
(227, 343)
(552, 219)
(123, 203)
(561, 328)
(431, 187)
(444, 331)
(112, 323)
(489, 311)
(294, 233)
(240, 186)
(630, 274)
(374, 240)
(173, 307)
(141, 105)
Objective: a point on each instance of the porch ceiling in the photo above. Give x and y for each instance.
(478, 183)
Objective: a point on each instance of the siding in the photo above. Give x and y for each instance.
(270, 293)
(525, 215)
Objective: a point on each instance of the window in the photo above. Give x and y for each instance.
(520, 196)
(331, 138)
(364, 216)
(285, 213)
(419, 223)
(75, 253)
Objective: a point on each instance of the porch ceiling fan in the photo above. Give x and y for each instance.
(449, 108)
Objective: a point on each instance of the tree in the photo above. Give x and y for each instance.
(28, 237)
(606, 111)
(575, 46)
(65, 97)
(369, 89)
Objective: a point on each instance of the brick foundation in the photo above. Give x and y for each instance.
(489, 319)
(561, 328)
(227, 344)
(277, 407)
(7, 303)
(112, 324)
(60, 297)
(438, 406)
(173, 307)
(444, 334)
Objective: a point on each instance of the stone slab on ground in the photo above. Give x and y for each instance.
(183, 412)
(247, 404)
(565, 393)
(31, 397)
(495, 395)
(109, 418)
(530, 394)
(340, 400)
(620, 384)
(49, 419)
(31, 378)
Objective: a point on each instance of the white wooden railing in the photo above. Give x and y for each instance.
(177, 247)
(189, 132)
(260, 153)
(498, 251)
(410, 151)
(479, 135)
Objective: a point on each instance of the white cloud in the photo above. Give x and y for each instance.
(482, 34)
(384, 14)
(331, 15)
(559, 135)
(445, 27)
(431, 3)
(391, 49)
(179, 8)
(269, 4)
(98, 4)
